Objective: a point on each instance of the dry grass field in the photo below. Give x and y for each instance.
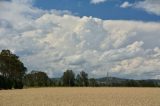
(81, 97)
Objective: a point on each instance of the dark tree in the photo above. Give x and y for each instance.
(78, 80)
(93, 82)
(37, 79)
(68, 78)
(12, 70)
(82, 79)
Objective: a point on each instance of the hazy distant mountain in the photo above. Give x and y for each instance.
(114, 81)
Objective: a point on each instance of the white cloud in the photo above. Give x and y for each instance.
(150, 6)
(126, 4)
(54, 41)
(97, 1)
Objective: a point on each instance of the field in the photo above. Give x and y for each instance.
(81, 97)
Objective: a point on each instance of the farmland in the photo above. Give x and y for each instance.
(81, 97)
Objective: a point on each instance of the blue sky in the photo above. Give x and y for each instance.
(107, 10)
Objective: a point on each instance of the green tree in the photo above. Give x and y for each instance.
(78, 80)
(93, 82)
(82, 79)
(68, 78)
(37, 79)
(11, 69)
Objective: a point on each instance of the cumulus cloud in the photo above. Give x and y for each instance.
(97, 1)
(150, 6)
(53, 41)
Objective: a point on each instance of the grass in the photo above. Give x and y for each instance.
(81, 97)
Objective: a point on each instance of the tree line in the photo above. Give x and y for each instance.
(13, 74)
(68, 79)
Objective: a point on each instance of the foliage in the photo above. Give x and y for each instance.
(37, 79)
(12, 70)
(93, 82)
(82, 79)
(68, 78)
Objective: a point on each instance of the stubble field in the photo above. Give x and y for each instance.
(81, 97)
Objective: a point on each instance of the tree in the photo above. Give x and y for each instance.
(37, 79)
(68, 78)
(93, 82)
(11, 69)
(82, 79)
(78, 80)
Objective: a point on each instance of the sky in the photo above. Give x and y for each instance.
(103, 9)
(121, 37)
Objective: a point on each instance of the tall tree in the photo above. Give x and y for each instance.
(78, 80)
(82, 79)
(68, 78)
(11, 69)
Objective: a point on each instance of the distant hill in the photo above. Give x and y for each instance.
(114, 81)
